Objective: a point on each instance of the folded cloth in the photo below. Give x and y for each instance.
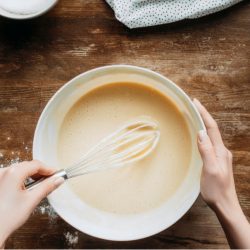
(143, 13)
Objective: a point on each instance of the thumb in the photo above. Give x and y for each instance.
(45, 188)
(206, 150)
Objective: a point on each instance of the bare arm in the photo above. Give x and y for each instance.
(217, 183)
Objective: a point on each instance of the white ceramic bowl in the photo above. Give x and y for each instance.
(93, 221)
(18, 16)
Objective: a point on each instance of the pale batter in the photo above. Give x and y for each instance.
(144, 185)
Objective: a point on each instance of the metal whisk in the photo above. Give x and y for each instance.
(131, 143)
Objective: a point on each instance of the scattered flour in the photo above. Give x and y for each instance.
(45, 209)
(71, 238)
(14, 156)
(1, 159)
(15, 160)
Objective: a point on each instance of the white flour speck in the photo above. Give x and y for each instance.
(42, 210)
(1, 155)
(71, 238)
(15, 160)
(45, 209)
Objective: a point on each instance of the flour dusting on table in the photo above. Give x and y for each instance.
(71, 238)
(8, 157)
(46, 209)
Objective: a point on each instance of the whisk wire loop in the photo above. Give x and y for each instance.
(128, 144)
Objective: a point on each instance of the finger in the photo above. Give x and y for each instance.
(27, 169)
(206, 149)
(45, 188)
(211, 125)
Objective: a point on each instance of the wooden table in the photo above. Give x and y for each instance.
(208, 58)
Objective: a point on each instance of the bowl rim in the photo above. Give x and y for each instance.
(16, 16)
(121, 66)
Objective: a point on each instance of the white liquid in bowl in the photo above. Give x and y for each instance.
(144, 185)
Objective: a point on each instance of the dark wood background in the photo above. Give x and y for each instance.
(208, 58)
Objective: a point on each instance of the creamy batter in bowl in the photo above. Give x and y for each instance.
(142, 203)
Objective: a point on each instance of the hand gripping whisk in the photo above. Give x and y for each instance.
(130, 143)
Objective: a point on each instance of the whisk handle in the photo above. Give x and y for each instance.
(34, 184)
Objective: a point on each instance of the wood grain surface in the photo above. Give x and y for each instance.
(208, 58)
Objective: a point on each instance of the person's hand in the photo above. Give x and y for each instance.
(17, 203)
(217, 182)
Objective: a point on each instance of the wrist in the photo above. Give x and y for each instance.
(3, 238)
(234, 223)
(229, 211)
(4, 235)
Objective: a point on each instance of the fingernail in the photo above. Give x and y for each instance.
(59, 181)
(202, 135)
